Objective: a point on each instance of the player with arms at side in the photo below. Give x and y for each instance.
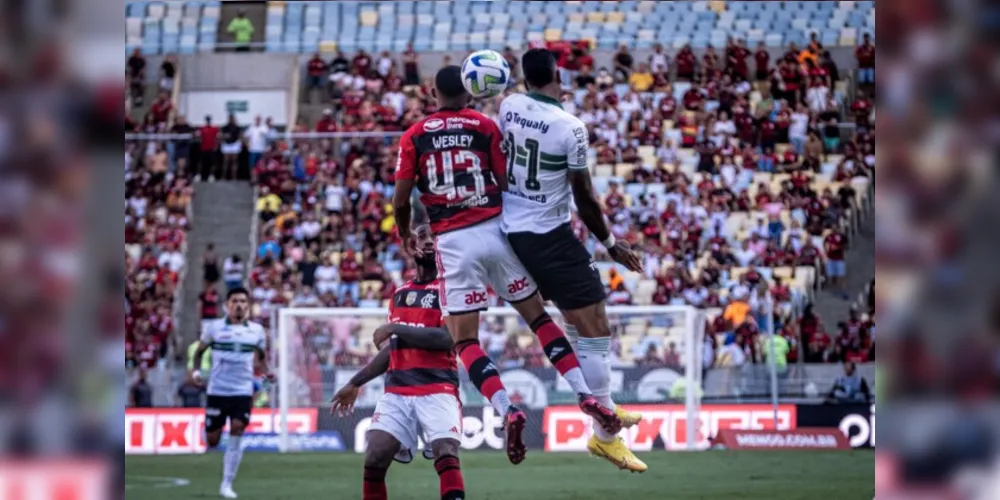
(421, 385)
(547, 161)
(454, 158)
(237, 350)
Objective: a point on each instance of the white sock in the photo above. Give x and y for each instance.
(596, 367)
(501, 401)
(577, 380)
(231, 460)
(572, 334)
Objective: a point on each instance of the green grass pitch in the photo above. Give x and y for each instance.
(790, 475)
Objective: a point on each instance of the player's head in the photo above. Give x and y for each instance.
(423, 251)
(448, 88)
(238, 304)
(539, 67)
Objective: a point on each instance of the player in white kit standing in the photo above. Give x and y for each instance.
(238, 347)
(546, 164)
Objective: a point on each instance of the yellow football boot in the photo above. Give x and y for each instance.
(628, 418)
(617, 453)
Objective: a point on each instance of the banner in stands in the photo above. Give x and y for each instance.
(315, 441)
(856, 421)
(529, 387)
(815, 438)
(481, 428)
(243, 104)
(51, 478)
(566, 428)
(181, 430)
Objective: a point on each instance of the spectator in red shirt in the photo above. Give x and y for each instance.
(762, 58)
(686, 62)
(326, 123)
(362, 63)
(316, 72)
(161, 108)
(835, 245)
(862, 109)
(350, 277)
(692, 99)
(738, 61)
(209, 135)
(865, 54)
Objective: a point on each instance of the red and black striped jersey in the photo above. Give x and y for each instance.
(413, 371)
(454, 159)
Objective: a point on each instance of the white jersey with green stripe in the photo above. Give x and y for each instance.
(542, 142)
(234, 347)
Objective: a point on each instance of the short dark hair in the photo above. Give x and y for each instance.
(237, 291)
(449, 82)
(539, 67)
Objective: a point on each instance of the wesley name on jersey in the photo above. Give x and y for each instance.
(542, 142)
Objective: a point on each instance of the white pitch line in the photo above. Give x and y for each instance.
(157, 482)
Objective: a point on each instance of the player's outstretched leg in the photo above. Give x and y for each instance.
(484, 375)
(448, 468)
(560, 353)
(381, 447)
(596, 366)
(594, 344)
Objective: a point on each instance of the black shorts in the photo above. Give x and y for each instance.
(219, 409)
(562, 267)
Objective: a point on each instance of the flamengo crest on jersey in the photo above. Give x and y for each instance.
(542, 142)
(413, 371)
(234, 347)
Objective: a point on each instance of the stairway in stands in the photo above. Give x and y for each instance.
(860, 260)
(222, 214)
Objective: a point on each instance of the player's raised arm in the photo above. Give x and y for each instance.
(405, 176)
(431, 339)
(586, 201)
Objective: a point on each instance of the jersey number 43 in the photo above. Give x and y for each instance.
(455, 167)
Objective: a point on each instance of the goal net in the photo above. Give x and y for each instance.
(657, 357)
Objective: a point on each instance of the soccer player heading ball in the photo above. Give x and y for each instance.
(237, 344)
(547, 166)
(454, 158)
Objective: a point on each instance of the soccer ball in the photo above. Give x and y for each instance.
(485, 73)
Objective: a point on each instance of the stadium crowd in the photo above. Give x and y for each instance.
(763, 132)
(776, 145)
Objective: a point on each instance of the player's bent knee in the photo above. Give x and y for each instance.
(445, 447)
(237, 427)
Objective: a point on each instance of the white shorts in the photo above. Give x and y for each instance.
(439, 415)
(472, 258)
(231, 149)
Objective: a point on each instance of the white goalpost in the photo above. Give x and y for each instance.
(296, 332)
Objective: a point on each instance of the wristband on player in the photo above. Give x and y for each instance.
(610, 242)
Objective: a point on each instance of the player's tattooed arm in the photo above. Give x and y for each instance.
(432, 339)
(590, 213)
(587, 205)
(378, 365)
